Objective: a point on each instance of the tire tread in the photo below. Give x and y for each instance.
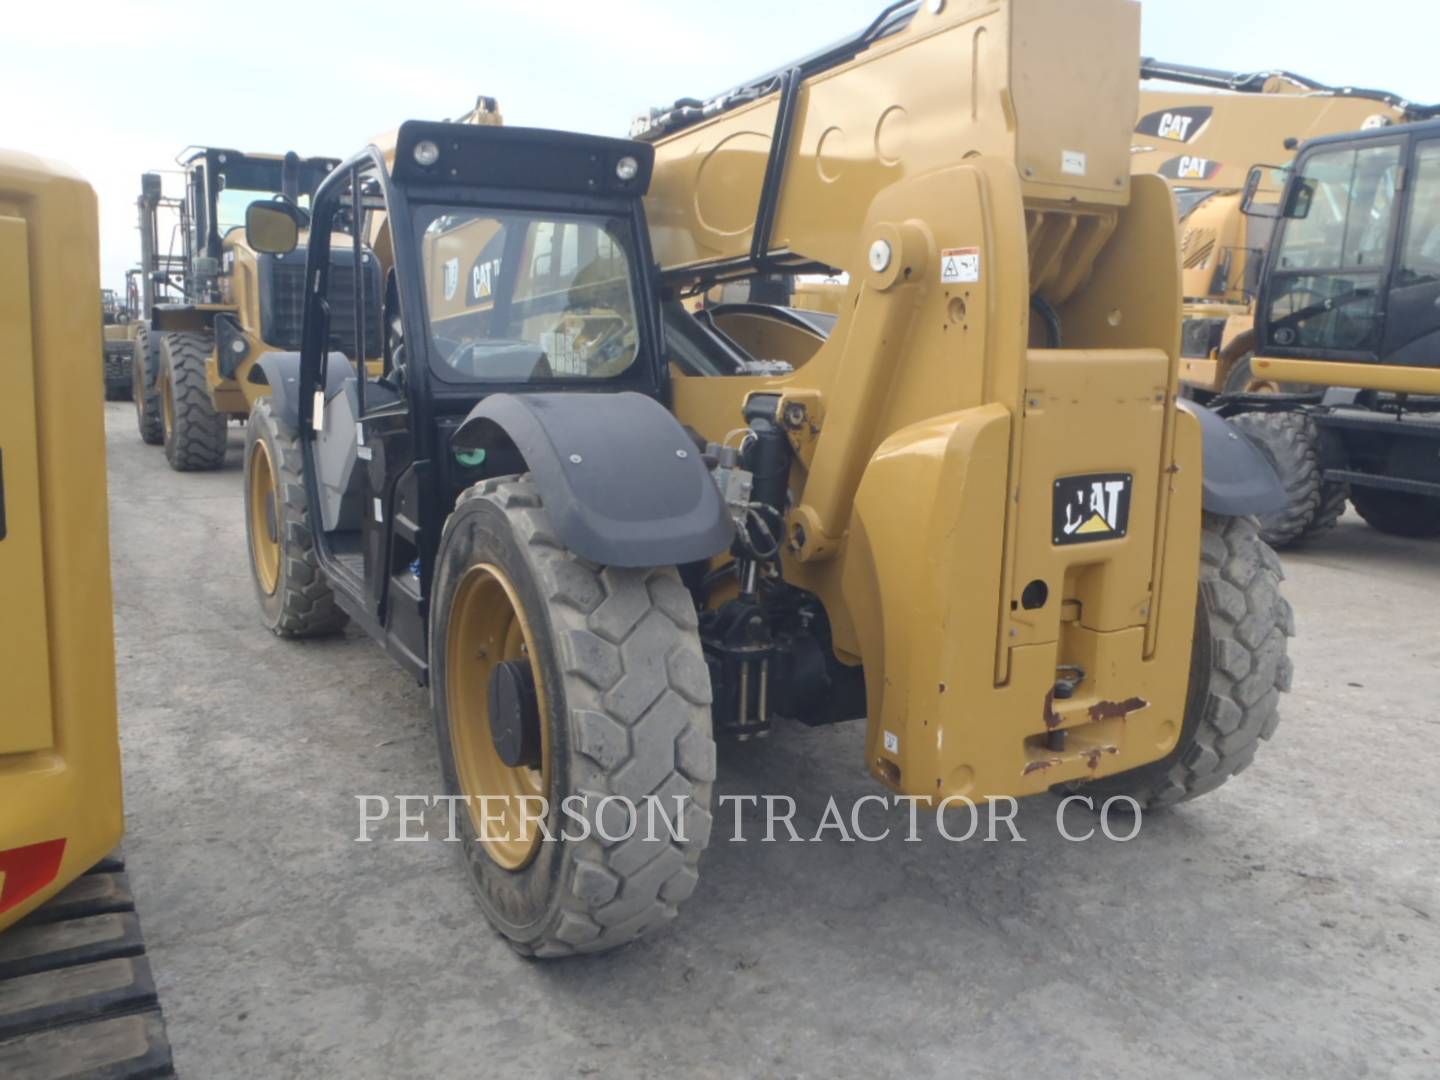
(197, 437)
(636, 729)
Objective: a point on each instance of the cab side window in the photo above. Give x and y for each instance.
(1412, 327)
(1325, 293)
(353, 285)
(1420, 248)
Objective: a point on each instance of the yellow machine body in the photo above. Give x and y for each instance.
(959, 167)
(60, 795)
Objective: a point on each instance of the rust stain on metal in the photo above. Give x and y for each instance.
(1092, 756)
(1036, 766)
(1052, 718)
(1112, 710)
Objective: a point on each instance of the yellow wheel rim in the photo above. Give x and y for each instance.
(487, 626)
(264, 519)
(167, 404)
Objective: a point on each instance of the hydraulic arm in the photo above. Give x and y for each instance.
(1006, 345)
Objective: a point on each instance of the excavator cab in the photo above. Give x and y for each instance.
(1347, 324)
(1356, 272)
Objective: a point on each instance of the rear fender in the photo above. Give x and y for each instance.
(1239, 478)
(622, 481)
(281, 372)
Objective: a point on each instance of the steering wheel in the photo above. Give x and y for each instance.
(471, 359)
(610, 351)
(447, 347)
(1345, 331)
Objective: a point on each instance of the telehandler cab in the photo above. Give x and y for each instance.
(970, 509)
(210, 307)
(1348, 322)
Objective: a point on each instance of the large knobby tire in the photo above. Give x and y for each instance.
(1398, 513)
(624, 707)
(145, 389)
(118, 363)
(1290, 441)
(1238, 668)
(295, 599)
(194, 431)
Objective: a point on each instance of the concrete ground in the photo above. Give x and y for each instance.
(1287, 925)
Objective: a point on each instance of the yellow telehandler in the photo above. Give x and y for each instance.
(970, 509)
(76, 994)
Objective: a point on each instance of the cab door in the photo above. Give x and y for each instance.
(1329, 272)
(1412, 324)
(373, 411)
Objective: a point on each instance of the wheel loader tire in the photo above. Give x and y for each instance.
(623, 711)
(1333, 498)
(1290, 441)
(194, 431)
(118, 363)
(145, 389)
(1238, 668)
(1398, 513)
(295, 599)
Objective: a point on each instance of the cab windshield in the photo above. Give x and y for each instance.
(516, 296)
(230, 206)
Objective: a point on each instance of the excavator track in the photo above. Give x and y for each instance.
(77, 997)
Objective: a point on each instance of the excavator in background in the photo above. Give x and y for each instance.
(76, 994)
(212, 304)
(1206, 143)
(969, 510)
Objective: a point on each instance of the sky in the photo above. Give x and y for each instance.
(115, 90)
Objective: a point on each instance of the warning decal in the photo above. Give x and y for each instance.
(959, 266)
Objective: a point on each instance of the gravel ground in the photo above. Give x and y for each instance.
(1286, 925)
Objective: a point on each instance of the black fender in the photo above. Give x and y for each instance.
(1238, 477)
(622, 482)
(281, 372)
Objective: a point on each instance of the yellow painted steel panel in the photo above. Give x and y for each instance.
(65, 794)
(24, 644)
